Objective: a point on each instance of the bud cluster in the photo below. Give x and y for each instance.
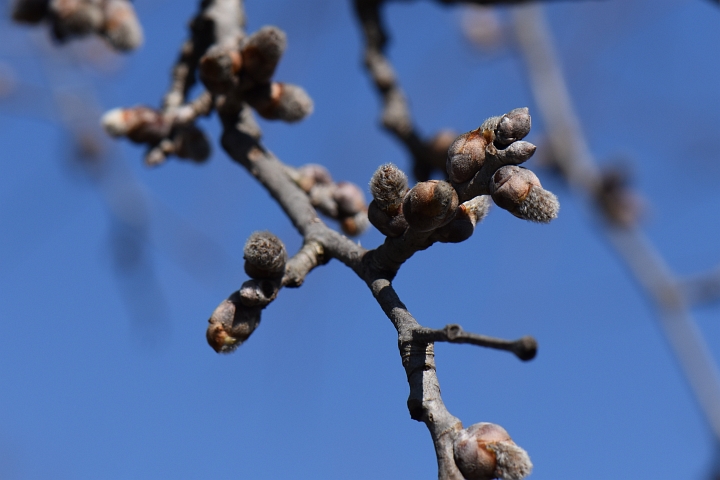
(342, 201)
(114, 20)
(485, 451)
(245, 70)
(484, 161)
(163, 132)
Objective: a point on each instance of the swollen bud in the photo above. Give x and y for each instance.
(429, 205)
(466, 156)
(388, 186)
(485, 451)
(219, 66)
(280, 101)
(312, 174)
(467, 216)
(519, 191)
(139, 124)
(388, 225)
(265, 256)
(349, 198)
(122, 28)
(513, 126)
(354, 225)
(231, 324)
(261, 53)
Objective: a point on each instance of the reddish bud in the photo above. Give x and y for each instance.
(75, 17)
(466, 156)
(430, 204)
(265, 256)
(219, 66)
(485, 451)
(354, 225)
(231, 324)
(518, 190)
(311, 174)
(261, 53)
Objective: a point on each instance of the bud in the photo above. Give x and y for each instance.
(231, 324)
(485, 451)
(219, 66)
(388, 225)
(354, 225)
(519, 191)
(311, 174)
(29, 11)
(75, 17)
(466, 156)
(516, 153)
(261, 53)
(265, 256)
(388, 186)
(513, 126)
(280, 101)
(430, 204)
(122, 28)
(349, 198)
(467, 216)
(258, 293)
(139, 124)
(190, 142)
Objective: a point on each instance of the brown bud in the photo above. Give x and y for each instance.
(75, 17)
(388, 225)
(261, 53)
(485, 451)
(231, 324)
(466, 156)
(280, 101)
(467, 216)
(30, 11)
(516, 153)
(354, 225)
(513, 126)
(265, 256)
(122, 27)
(311, 174)
(349, 198)
(518, 190)
(430, 204)
(258, 292)
(139, 124)
(388, 186)
(190, 142)
(219, 66)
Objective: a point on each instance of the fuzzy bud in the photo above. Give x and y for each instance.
(231, 324)
(467, 216)
(261, 53)
(190, 142)
(139, 124)
(485, 451)
(311, 174)
(388, 186)
(219, 66)
(466, 156)
(75, 17)
(519, 191)
(29, 11)
(122, 27)
(354, 225)
(280, 101)
(349, 198)
(265, 256)
(388, 225)
(429, 205)
(513, 126)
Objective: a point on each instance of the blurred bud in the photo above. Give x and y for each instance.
(437, 148)
(513, 126)
(190, 142)
(466, 156)
(75, 17)
(354, 225)
(261, 53)
(280, 101)
(618, 203)
(467, 216)
(518, 190)
(231, 324)
(139, 124)
(481, 26)
(265, 256)
(430, 204)
(388, 186)
(485, 451)
(388, 225)
(30, 11)
(349, 198)
(311, 174)
(219, 66)
(122, 27)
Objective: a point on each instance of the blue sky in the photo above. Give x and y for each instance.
(104, 369)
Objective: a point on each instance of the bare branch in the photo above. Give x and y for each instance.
(525, 348)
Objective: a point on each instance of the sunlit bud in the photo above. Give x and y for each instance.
(466, 156)
(190, 142)
(231, 324)
(139, 124)
(513, 126)
(265, 256)
(515, 154)
(349, 198)
(388, 225)
(518, 191)
(75, 17)
(485, 451)
(467, 216)
(122, 27)
(356, 224)
(261, 53)
(311, 174)
(219, 66)
(280, 101)
(430, 204)
(29, 11)
(388, 186)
